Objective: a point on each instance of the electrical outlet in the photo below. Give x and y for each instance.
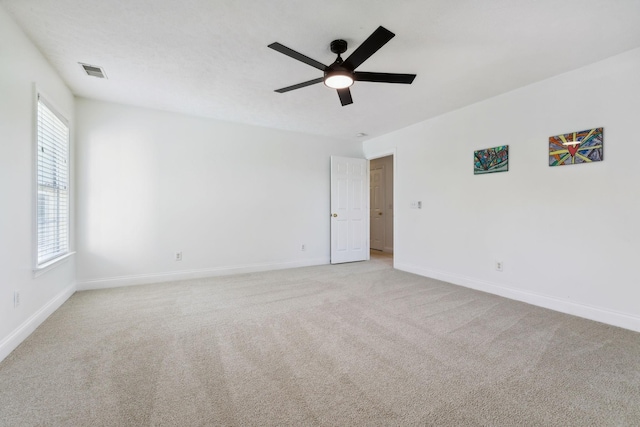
(499, 265)
(178, 256)
(303, 247)
(16, 299)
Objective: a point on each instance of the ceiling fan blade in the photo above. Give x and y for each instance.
(297, 55)
(345, 96)
(300, 85)
(376, 40)
(383, 77)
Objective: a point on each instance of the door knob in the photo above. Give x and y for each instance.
(379, 213)
(335, 215)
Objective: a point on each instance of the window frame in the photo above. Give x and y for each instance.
(42, 267)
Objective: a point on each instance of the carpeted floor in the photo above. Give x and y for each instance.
(352, 344)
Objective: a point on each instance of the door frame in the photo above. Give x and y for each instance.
(378, 155)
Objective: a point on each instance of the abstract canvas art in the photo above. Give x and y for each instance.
(490, 160)
(577, 147)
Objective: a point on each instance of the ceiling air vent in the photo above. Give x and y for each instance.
(94, 71)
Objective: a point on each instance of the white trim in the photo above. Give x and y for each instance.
(381, 154)
(22, 332)
(50, 265)
(34, 178)
(142, 279)
(598, 314)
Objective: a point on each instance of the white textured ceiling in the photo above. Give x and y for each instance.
(210, 57)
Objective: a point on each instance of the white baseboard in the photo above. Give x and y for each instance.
(142, 279)
(598, 314)
(15, 338)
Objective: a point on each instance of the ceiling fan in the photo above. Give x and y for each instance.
(341, 74)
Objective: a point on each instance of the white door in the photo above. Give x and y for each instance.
(349, 210)
(376, 219)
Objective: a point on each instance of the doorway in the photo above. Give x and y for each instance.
(381, 205)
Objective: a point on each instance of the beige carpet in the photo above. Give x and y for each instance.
(353, 344)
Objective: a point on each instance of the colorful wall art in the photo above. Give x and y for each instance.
(577, 147)
(490, 160)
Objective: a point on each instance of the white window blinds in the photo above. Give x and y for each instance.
(53, 185)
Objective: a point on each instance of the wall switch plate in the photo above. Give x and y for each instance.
(499, 265)
(16, 299)
(303, 247)
(178, 256)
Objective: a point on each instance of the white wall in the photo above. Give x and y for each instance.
(569, 236)
(231, 197)
(22, 66)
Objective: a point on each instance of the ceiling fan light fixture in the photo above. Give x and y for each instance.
(338, 80)
(341, 74)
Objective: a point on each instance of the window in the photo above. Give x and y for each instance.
(52, 203)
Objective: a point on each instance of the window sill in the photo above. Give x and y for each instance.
(50, 265)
